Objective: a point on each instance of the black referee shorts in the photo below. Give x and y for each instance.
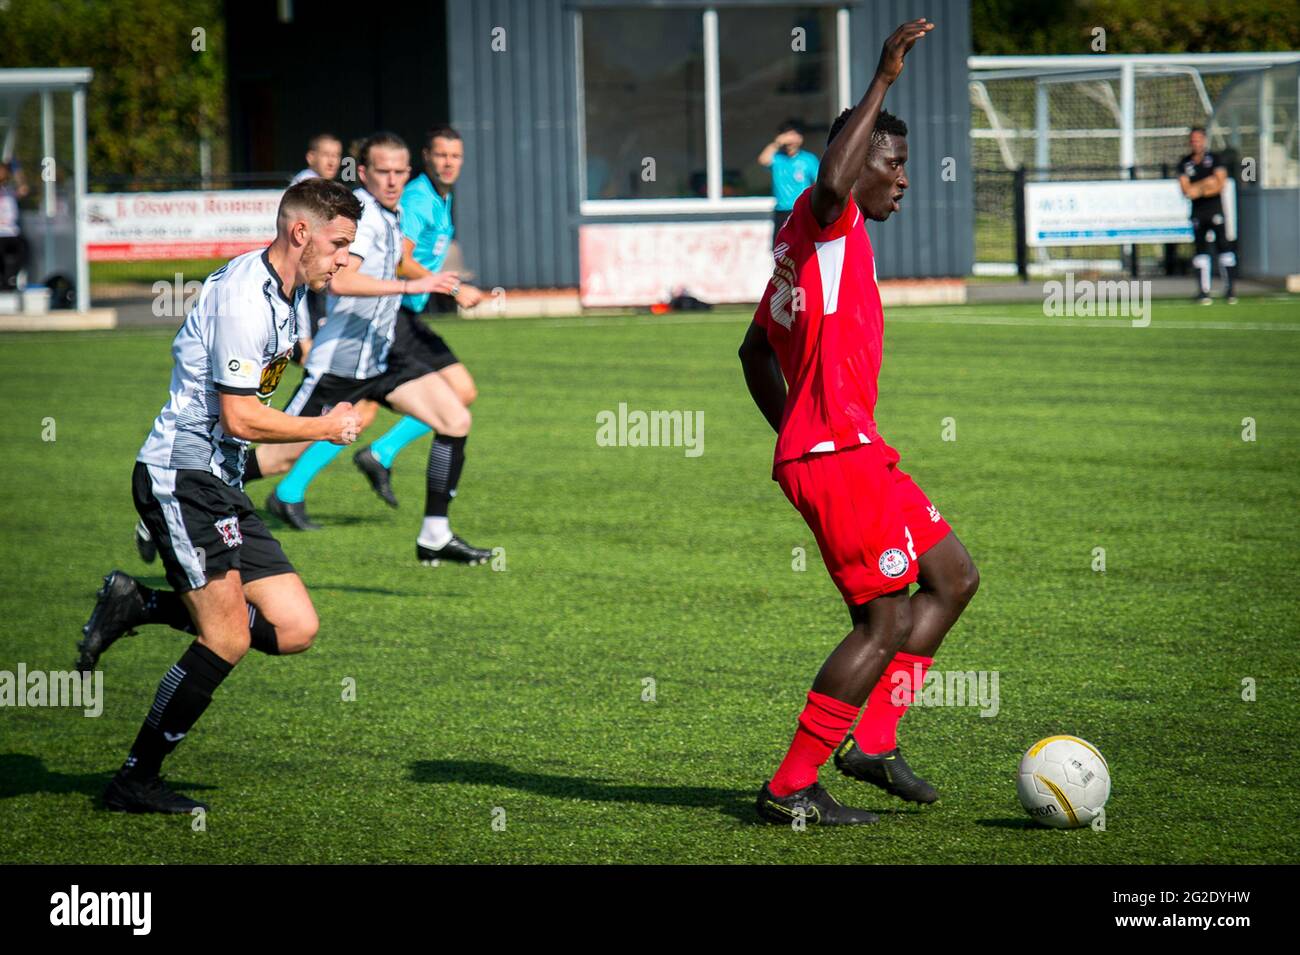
(203, 526)
(318, 393)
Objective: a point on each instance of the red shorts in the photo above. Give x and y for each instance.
(870, 519)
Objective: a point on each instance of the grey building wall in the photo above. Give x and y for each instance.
(935, 233)
(517, 203)
(1268, 243)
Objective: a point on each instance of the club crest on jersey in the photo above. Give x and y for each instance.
(228, 527)
(271, 375)
(893, 563)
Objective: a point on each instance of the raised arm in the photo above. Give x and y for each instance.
(770, 150)
(847, 154)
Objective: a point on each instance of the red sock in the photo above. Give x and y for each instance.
(822, 725)
(877, 731)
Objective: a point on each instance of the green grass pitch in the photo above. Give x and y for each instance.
(516, 695)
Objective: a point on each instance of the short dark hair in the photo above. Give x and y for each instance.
(322, 199)
(790, 126)
(384, 140)
(443, 131)
(314, 143)
(887, 124)
(1196, 129)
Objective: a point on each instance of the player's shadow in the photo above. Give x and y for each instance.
(22, 774)
(1007, 823)
(730, 802)
(160, 583)
(354, 589)
(327, 521)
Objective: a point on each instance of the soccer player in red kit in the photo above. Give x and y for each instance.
(819, 333)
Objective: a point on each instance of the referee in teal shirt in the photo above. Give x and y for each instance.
(426, 221)
(794, 169)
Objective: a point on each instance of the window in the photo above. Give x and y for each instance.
(675, 104)
(644, 104)
(773, 64)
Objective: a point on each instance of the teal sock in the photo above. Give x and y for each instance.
(398, 437)
(293, 487)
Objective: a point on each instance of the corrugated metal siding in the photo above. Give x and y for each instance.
(517, 203)
(934, 234)
(516, 200)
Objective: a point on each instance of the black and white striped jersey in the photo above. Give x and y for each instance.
(236, 339)
(357, 333)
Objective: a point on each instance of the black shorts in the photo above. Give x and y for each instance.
(317, 394)
(203, 526)
(778, 219)
(416, 351)
(416, 345)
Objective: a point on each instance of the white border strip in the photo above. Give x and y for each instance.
(843, 65)
(712, 107)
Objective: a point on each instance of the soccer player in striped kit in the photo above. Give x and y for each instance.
(355, 357)
(232, 586)
(427, 225)
(819, 332)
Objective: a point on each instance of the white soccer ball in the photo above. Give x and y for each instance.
(1063, 783)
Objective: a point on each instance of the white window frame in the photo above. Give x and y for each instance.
(715, 201)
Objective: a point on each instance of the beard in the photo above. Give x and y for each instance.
(317, 277)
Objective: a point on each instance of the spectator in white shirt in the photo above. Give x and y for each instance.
(13, 247)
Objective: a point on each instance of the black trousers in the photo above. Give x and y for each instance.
(13, 259)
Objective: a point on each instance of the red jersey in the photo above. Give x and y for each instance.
(824, 320)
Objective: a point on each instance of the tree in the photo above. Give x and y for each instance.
(1134, 26)
(159, 86)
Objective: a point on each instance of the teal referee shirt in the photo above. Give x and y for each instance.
(426, 221)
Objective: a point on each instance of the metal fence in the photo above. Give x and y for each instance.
(1118, 116)
(1000, 226)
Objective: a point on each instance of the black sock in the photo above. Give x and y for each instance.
(166, 607)
(263, 633)
(446, 461)
(252, 470)
(183, 695)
